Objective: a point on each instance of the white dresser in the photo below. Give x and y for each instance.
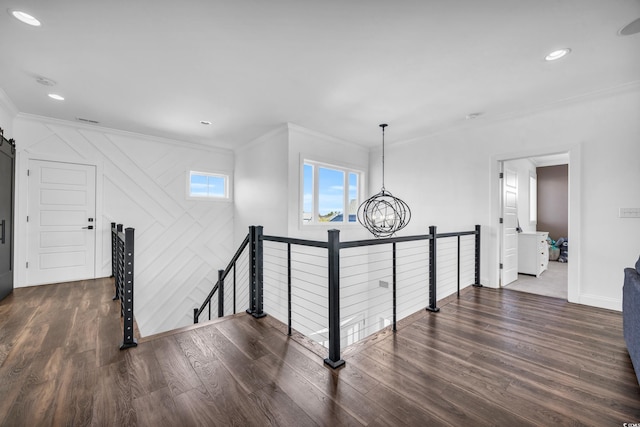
(533, 252)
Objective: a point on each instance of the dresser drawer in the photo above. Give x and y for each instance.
(533, 253)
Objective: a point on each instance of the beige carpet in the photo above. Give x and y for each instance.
(552, 282)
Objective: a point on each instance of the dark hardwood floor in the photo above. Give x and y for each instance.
(490, 358)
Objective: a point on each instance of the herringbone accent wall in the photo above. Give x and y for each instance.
(180, 243)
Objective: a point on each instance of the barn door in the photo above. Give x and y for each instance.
(7, 168)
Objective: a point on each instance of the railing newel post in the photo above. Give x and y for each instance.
(195, 316)
(458, 266)
(252, 270)
(114, 258)
(477, 250)
(126, 295)
(115, 242)
(432, 270)
(113, 252)
(394, 271)
(289, 287)
(333, 247)
(220, 293)
(256, 277)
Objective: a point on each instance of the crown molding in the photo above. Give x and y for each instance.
(315, 134)
(277, 131)
(492, 118)
(8, 104)
(123, 133)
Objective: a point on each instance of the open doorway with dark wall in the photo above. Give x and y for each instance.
(548, 221)
(553, 203)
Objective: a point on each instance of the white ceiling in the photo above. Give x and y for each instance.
(337, 67)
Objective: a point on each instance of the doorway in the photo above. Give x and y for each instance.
(542, 212)
(61, 240)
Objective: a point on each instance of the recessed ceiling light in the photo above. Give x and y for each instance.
(557, 54)
(56, 97)
(205, 122)
(93, 122)
(631, 28)
(25, 17)
(45, 81)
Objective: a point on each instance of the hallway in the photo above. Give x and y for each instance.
(492, 357)
(551, 283)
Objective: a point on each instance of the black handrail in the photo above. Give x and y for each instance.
(293, 241)
(222, 274)
(385, 241)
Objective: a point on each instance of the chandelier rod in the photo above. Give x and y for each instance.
(384, 125)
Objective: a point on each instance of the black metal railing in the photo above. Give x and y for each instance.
(122, 269)
(219, 287)
(334, 247)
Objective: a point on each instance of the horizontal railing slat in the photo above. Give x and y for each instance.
(372, 242)
(301, 242)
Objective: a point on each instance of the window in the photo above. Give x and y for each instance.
(202, 185)
(329, 194)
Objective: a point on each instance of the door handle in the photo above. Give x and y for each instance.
(89, 227)
(2, 235)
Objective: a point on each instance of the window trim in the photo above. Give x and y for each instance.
(347, 170)
(227, 186)
(533, 198)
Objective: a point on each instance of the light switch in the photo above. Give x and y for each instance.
(629, 213)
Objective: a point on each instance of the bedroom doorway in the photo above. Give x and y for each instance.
(542, 225)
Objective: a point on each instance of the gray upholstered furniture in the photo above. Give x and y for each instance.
(631, 314)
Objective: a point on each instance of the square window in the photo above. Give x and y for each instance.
(204, 185)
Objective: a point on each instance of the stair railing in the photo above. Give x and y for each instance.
(122, 256)
(333, 247)
(220, 284)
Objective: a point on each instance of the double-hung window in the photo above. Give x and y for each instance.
(330, 193)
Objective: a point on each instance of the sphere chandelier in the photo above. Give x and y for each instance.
(384, 214)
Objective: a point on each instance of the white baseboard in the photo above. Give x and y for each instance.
(601, 302)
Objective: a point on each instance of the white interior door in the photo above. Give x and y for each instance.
(509, 226)
(61, 222)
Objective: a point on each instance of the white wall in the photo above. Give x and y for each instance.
(141, 183)
(261, 182)
(267, 180)
(305, 143)
(453, 183)
(8, 112)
